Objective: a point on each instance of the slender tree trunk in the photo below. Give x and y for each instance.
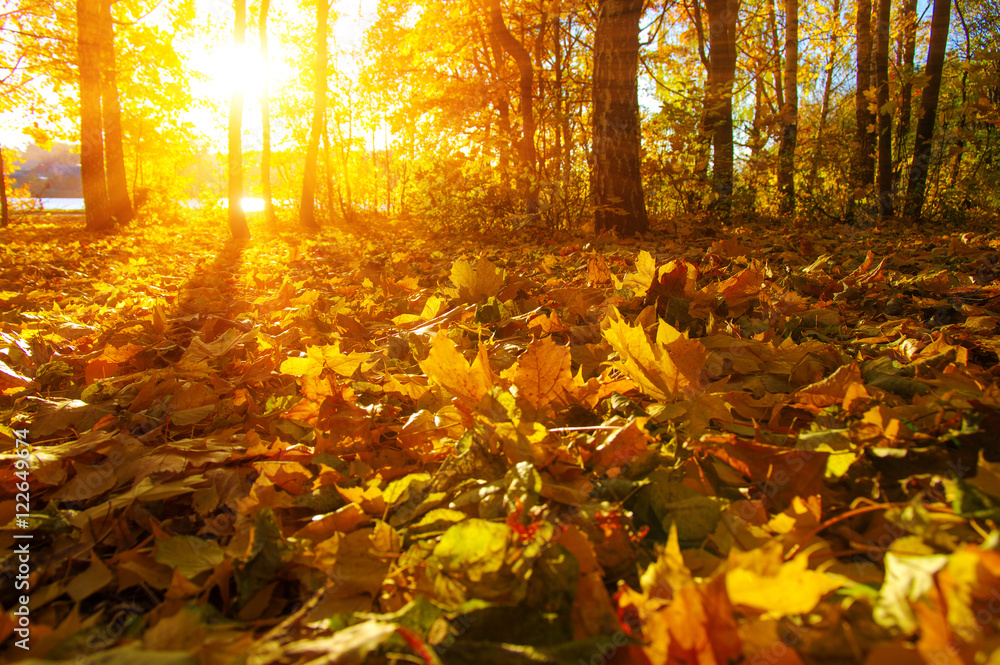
(908, 39)
(522, 59)
(824, 110)
(756, 138)
(503, 111)
(617, 179)
(328, 170)
(95, 186)
(772, 23)
(557, 93)
(863, 164)
(963, 119)
(307, 214)
(265, 118)
(121, 206)
(704, 137)
(345, 158)
(237, 218)
(790, 112)
(329, 174)
(928, 104)
(722, 17)
(884, 175)
(4, 210)
(388, 178)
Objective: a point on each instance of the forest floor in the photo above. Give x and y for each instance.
(771, 444)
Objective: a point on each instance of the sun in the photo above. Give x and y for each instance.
(228, 68)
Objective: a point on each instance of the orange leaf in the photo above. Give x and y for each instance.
(544, 373)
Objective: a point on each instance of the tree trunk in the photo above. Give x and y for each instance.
(908, 39)
(884, 175)
(237, 218)
(503, 111)
(722, 18)
(756, 138)
(790, 112)
(824, 110)
(617, 179)
(265, 118)
(772, 23)
(522, 59)
(4, 210)
(95, 186)
(121, 206)
(928, 108)
(863, 164)
(329, 175)
(307, 214)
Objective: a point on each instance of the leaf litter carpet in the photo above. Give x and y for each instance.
(759, 447)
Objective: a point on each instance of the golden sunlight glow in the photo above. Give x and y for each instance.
(223, 68)
(229, 68)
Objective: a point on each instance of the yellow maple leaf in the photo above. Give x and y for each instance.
(475, 282)
(319, 357)
(660, 368)
(446, 367)
(762, 580)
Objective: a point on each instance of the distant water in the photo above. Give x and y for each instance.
(249, 204)
(47, 204)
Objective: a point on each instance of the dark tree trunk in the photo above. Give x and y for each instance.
(522, 59)
(121, 205)
(908, 39)
(722, 19)
(863, 164)
(265, 118)
(884, 175)
(790, 112)
(928, 109)
(307, 214)
(237, 218)
(617, 180)
(95, 186)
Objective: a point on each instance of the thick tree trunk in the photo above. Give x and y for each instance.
(95, 186)
(121, 205)
(522, 59)
(265, 118)
(908, 49)
(863, 163)
(884, 175)
(307, 214)
(928, 108)
(617, 180)
(237, 218)
(790, 112)
(722, 18)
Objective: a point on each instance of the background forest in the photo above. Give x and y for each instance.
(464, 115)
